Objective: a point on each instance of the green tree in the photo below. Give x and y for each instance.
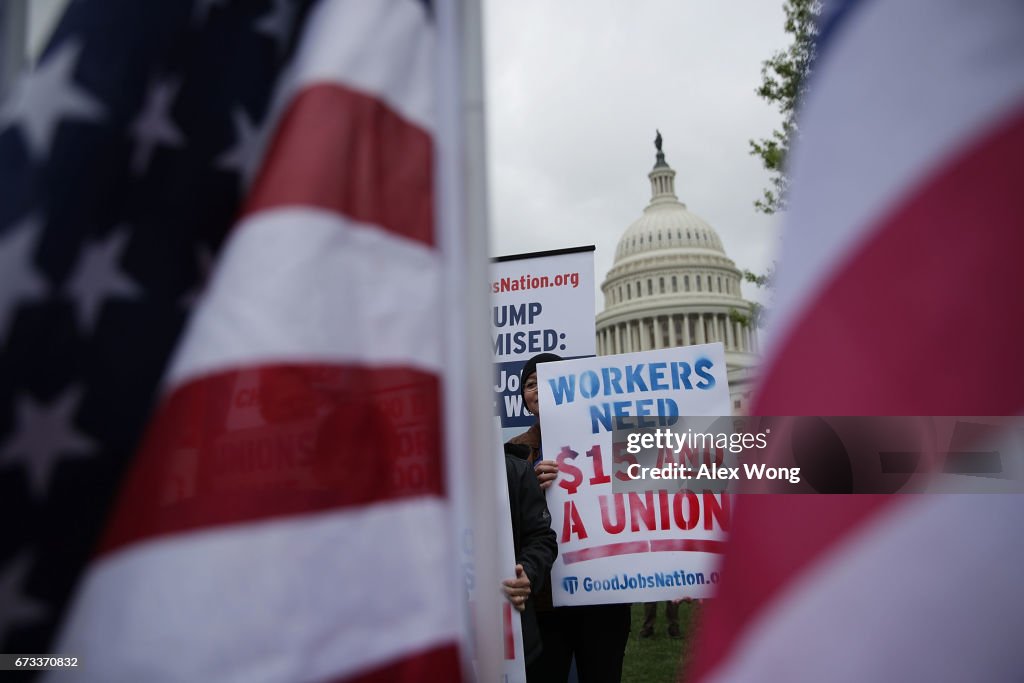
(756, 315)
(783, 83)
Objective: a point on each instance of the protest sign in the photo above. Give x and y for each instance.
(513, 668)
(630, 546)
(514, 663)
(540, 302)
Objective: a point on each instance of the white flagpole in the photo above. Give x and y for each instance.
(469, 400)
(485, 509)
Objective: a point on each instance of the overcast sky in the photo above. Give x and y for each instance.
(575, 91)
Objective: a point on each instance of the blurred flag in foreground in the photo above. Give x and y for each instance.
(226, 256)
(898, 293)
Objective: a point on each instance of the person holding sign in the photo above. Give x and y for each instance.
(595, 635)
(546, 470)
(535, 549)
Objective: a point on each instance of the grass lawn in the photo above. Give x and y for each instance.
(657, 659)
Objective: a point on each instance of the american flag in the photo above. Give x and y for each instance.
(898, 293)
(223, 294)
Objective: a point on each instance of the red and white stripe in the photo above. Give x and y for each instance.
(897, 294)
(328, 291)
(903, 216)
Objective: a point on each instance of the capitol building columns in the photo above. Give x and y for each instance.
(663, 330)
(672, 284)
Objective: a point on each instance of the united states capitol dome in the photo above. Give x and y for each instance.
(672, 284)
(666, 223)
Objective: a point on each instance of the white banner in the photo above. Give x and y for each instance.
(629, 547)
(513, 666)
(539, 303)
(514, 662)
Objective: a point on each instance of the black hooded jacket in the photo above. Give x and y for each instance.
(532, 537)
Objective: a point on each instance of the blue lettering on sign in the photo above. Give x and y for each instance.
(702, 366)
(647, 412)
(634, 381)
(522, 314)
(631, 379)
(534, 341)
(622, 582)
(563, 388)
(612, 380)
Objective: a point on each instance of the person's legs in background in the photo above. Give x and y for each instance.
(672, 615)
(650, 616)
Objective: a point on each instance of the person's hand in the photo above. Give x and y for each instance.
(517, 590)
(547, 472)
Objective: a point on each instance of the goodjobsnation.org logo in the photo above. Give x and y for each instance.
(622, 582)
